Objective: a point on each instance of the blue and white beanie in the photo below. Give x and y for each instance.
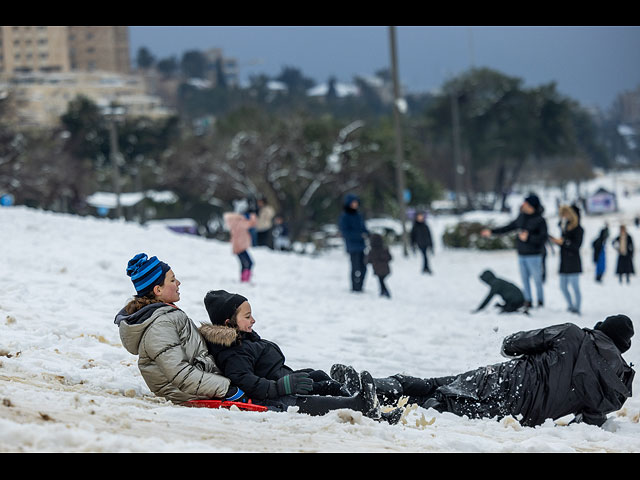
(146, 273)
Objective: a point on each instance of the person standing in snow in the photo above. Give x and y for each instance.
(599, 252)
(570, 263)
(510, 293)
(258, 366)
(552, 372)
(421, 238)
(532, 235)
(172, 355)
(623, 244)
(379, 257)
(264, 223)
(354, 231)
(280, 234)
(239, 226)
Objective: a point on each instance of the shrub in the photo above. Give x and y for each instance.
(467, 235)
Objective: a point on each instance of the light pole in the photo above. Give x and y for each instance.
(400, 182)
(113, 114)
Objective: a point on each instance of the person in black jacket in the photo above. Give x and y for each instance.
(623, 243)
(510, 293)
(258, 367)
(532, 235)
(379, 257)
(570, 263)
(599, 252)
(553, 372)
(421, 238)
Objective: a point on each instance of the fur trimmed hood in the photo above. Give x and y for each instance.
(219, 334)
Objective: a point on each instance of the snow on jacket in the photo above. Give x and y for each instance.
(563, 369)
(172, 355)
(239, 226)
(535, 225)
(252, 363)
(352, 226)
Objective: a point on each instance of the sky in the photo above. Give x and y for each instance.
(591, 64)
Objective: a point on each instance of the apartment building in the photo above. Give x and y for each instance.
(44, 49)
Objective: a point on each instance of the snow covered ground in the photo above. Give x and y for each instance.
(67, 384)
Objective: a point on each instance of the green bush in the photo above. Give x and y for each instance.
(467, 235)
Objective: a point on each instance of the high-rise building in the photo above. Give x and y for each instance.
(31, 49)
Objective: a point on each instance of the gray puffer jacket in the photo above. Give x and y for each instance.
(172, 355)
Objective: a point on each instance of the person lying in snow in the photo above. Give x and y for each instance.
(510, 293)
(554, 371)
(258, 366)
(172, 355)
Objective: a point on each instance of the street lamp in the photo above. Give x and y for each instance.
(113, 115)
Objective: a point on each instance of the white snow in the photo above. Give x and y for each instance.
(67, 384)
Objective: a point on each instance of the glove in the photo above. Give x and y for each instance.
(294, 384)
(234, 394)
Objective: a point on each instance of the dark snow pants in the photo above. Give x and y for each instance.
(358, 271)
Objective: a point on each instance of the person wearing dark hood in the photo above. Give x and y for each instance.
(570, 263)
(553, 372)
(599, 252)
(421, 238)
(379, 257)
(510, 293)
(354, 231)
(530, 243)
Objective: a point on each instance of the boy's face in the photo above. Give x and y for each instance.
(244, 318)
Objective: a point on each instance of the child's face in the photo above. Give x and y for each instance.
(169, 291)
(244, 318)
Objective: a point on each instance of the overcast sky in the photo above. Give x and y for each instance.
(589, 64)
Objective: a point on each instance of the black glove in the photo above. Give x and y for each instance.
(295, 384)
(234, 394)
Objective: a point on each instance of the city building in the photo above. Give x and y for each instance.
(45, 49)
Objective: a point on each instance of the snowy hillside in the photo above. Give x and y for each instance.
(67, 384)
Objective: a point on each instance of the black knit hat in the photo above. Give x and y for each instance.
(221, 305)
(619, 329)
(533, 200)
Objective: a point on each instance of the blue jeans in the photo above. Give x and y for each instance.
(531, 268)
(571, 280)
(245, 260)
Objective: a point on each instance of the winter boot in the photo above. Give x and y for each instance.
(245, 275)
(389, 390)
(347, 376)
(365, 401)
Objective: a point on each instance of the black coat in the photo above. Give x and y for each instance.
(564, 369)
(535, 224)
(253, 364)
(625, 262)
(509, 292)
(379, 257)
(570, 250)
(421, 236)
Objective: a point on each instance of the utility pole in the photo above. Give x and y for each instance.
(400, 182)
(457, 166)
(113, 113)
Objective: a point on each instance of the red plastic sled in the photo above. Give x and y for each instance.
(225, 404)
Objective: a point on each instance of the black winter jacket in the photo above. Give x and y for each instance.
(253, 364)
(536, 225)
(563, 369)
(509, 292)
(379, 257)
(570, 250)
(421, 236)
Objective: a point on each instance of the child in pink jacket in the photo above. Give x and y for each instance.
(239, 226)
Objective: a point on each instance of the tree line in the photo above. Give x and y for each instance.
(479, 137)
